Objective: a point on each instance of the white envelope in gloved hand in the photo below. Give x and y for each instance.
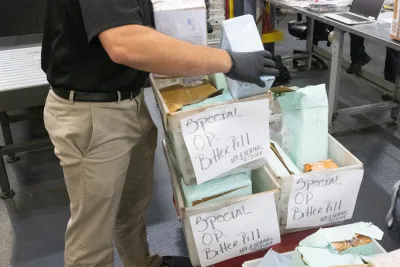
(274, 259)
(240, 34)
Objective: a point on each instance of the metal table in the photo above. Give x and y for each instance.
(377, 32)
(23, 85)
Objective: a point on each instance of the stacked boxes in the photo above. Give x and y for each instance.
(184, 20)
(260, 183)
(216, 14)
(173, 130)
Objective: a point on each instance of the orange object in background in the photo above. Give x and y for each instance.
(320, 165)
(395, 29)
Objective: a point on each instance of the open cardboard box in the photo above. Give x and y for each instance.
(337, 152)
(172, 123)
(261, 183)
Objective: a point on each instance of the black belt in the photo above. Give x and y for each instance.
(94, 97)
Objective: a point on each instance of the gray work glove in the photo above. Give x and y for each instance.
(249, 66)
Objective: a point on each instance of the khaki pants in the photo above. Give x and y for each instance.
(107, 154)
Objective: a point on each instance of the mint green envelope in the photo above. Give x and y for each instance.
(305, 124)
(324, 237)
(223, 188)
(318, 257)
(219, 81)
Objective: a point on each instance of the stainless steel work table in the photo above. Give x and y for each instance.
(377, 32)
(23, 86)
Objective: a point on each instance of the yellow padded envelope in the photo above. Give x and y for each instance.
(177, 96)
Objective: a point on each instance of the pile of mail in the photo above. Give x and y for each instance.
(348, 245)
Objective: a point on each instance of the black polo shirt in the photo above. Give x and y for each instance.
(72, 55)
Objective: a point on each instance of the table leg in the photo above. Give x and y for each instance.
(8, 139)
(336, 68)
(396, 95)
(6, 191)
(310, 37)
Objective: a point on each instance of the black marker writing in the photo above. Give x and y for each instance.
(316, 210)
(208, 239)
(200, 142)
(212, 221)
(240, 141)
(248, 154)
(249, 236)
(203, 122)
(308, 184)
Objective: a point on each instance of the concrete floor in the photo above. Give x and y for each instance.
(32, 224)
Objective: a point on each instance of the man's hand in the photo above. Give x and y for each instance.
(249, 66)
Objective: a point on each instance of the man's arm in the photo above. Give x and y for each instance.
(145, 49)
(118, 25)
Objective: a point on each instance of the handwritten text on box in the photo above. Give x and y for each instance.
(323, 198)
(236, 230)
(224, 138)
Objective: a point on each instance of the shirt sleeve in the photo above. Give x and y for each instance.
(100, 15)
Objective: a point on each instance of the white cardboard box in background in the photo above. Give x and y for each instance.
(182, 19)
(185, 20)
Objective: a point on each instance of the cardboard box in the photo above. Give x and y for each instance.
(184, 20)
(395, 29)
(337, 152)
(261, 183)
(172, 125)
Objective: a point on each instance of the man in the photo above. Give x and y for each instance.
(97, 55)
(358, 55)
(360, 58)
(391, 62)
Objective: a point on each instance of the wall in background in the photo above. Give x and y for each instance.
(18, 17)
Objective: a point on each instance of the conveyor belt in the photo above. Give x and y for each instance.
(23, 85)
(20, 68)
